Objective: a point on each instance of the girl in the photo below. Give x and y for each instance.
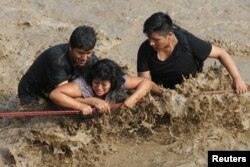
(104, 83)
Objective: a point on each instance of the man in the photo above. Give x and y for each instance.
(58, 65)
(170, 53)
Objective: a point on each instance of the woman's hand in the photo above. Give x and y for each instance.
(85, 109)
(101, 105)
(129, 103)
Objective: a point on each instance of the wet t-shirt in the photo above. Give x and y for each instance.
(51, 68)
(179, 64)
(87, 91)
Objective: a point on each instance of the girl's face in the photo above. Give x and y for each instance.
(100, 87)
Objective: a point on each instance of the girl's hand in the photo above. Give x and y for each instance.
(102, 106)
(85, 109)
(129, 103)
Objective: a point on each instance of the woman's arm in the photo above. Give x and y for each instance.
(142, 86)
(65, 96)
(69, 95)
(156, 89)
(225, 59)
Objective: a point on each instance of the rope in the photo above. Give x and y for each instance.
(222, 91)
(68, 112)
(45, 113)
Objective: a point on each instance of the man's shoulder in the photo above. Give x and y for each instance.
(54, 57)
(93, 59)
(145, 44)
(185, 36)
(181, 33)
(58, 49)
(56, 53)
(145, 47)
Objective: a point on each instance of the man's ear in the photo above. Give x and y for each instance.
(170, 33)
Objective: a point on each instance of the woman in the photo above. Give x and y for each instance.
(103, 84)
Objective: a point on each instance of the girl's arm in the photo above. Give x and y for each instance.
(65, 96)
(142, 86)
(69, 95)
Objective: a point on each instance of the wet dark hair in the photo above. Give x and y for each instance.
(83, 37)
(107, 69)
(158, 22)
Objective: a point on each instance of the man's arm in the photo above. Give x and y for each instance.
(62, 83)
(225, 59)
(145, 74)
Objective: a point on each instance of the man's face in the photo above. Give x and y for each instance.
(159, 41)
(79, 56)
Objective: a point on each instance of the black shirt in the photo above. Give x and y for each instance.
(180, 63)
(52, 67)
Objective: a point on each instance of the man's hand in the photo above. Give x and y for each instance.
(239, 85)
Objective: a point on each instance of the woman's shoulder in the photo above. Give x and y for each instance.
(80, 80)
(84, 87)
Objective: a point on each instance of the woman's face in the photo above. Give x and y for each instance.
(100, 87)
